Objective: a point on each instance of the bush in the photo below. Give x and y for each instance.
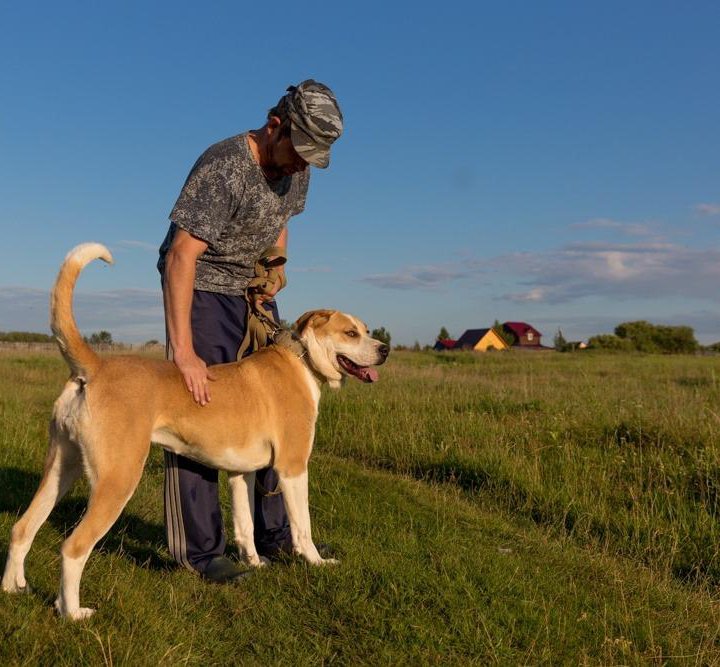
(647, 337)
(100, 338)
(610, 342)
(382, 334)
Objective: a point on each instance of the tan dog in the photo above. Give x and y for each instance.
(263, 412)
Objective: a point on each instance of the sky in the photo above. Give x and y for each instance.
(556, 163)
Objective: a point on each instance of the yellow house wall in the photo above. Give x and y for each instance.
(490, 339)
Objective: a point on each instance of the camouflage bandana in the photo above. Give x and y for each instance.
(316, 121)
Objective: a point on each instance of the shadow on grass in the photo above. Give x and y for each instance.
(472, 479)
(694, 561)
(131, 535)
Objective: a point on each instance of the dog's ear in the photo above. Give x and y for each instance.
(312, 318)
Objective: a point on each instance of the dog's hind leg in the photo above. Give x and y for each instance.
(111, 491)
(63, 465)
(242, 487)
(295, 495)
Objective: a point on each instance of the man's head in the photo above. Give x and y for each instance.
(310, 117)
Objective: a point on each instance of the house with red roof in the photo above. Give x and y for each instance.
(525, 336)
(442, 344)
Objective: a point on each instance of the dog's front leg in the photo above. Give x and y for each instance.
(295, 496)
(242, 488)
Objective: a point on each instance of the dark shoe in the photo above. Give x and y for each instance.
(222, 570)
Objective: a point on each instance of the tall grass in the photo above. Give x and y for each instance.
(622, 451)
(494, 509)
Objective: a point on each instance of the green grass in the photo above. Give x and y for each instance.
(499, 508)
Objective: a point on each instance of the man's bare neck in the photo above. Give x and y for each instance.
(257, 140)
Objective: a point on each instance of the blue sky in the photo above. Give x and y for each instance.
(551, 162)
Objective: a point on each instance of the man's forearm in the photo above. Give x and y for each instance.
(282, 242)
(178, 286)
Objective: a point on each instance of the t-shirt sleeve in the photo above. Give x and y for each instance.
(303, 184)
(206, 202)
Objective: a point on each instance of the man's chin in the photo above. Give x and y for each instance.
(274, 174)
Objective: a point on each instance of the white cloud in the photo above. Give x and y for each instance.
(639, 270)
(131, 315)
(649, 270)
(708, 209)
(431, 276)
(625, 228)
(535, 294)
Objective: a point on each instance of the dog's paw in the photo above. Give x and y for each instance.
(15, 589)
(252, 560)
(329, 561)
(81, 614)
(15, 585)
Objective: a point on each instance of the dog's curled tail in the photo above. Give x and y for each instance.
(79, 356)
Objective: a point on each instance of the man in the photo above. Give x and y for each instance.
(235, 204)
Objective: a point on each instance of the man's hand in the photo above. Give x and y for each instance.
(196, 375)
(260, 298)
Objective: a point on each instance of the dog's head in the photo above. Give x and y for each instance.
(339, 345)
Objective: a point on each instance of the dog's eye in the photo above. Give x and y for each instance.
(351, 333)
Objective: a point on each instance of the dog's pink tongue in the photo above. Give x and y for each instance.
(368, 374)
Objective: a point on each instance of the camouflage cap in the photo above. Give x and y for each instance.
(316, 121)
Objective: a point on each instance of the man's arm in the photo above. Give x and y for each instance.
(178, 284)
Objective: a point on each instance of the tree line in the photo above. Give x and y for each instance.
(637, 336)
(97, 338)
(642, 336)
(25, 337)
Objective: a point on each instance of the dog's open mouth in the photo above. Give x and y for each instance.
(364, 373)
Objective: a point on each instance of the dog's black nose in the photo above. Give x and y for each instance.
(384, 350)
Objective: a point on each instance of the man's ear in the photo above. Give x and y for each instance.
(274, 122)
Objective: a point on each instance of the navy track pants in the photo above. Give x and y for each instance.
(193, 520)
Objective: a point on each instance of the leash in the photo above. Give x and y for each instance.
(260, 325)
(264, 492)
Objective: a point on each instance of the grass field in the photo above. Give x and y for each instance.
(499, 508)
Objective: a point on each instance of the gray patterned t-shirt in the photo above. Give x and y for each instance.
(228, 203)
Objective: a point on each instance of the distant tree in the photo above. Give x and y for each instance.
(444, 334)
(416, 347)
(381, 334)
(151, 343)
(647, 337)
(610, 342)
(503, 333)
(100, 338)
(639, 333)
(25, 337)
(676, 340)
(561, 345)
